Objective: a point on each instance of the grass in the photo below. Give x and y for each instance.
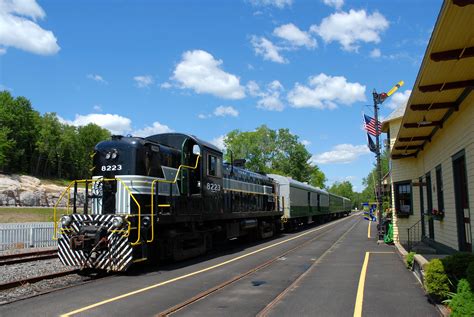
(56, 181)
(27, 214)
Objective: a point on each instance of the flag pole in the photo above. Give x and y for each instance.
(378, 191)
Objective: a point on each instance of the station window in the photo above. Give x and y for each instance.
(403, 198)
(439, 188)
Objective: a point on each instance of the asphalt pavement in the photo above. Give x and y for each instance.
(313, 272)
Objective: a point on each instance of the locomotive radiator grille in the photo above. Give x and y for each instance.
(116, 257)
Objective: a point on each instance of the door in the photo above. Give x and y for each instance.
(212, 182)
(422, 209)
(463, 218)
(429, 203)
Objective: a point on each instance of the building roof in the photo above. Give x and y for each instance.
(445, 79)
(396, 114)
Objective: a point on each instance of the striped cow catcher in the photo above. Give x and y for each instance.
(95, 242)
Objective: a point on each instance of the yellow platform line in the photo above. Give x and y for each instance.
(368, 229)
(138, 291)
(360, 289)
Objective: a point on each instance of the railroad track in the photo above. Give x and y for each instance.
(13, 284)
(28, 257)
(231, 281)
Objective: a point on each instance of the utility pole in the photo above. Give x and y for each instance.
(378, 100)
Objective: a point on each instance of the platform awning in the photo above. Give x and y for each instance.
(444, 82)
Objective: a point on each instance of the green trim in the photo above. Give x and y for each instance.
(305, 211)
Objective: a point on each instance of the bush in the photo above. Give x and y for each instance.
(456, 265)
(462, 303)
(470, 275)
(436, 280)
(410, 259)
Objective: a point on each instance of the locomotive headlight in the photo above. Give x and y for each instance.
(117, 222)
(107, 156)
(146, 222)
(114, 155)
(66, 220)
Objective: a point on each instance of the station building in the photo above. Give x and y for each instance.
(431, 140)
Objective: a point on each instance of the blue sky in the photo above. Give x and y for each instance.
(208, 67)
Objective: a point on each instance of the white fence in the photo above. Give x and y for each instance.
(26, 235)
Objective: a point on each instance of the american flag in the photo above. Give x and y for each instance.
(369, 125)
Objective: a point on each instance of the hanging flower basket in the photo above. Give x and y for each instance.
(437, 214)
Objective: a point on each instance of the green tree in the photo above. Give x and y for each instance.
(19, 124)
(49, 135)
(67, 152)
(370, 181)
(342, 189)
(6, 146)
(270, 151)
(318, 178)
(88, 136)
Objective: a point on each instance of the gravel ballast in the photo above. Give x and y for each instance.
(20, 271)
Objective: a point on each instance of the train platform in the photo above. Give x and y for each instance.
(334, 269)
(358, 278)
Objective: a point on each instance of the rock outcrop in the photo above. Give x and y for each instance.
(28, 191)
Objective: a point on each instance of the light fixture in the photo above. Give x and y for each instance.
(424, 121)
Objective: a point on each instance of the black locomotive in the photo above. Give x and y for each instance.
(167, 196)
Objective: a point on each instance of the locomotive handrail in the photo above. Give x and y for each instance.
(68, 190)
(169, 182)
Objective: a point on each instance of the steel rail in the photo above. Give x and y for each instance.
(28, 257)
(214, 289)
(13, 284)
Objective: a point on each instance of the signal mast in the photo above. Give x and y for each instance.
(378, 100)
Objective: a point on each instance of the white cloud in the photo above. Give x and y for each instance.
(166, 85)
(18, 27)
(97, 78)
(305, 142)
(325, 92)
(3, 51)
(342, 153)
(292, 34)
(143, 81)
(3, 87)
(219, 142)
(115, 123)
(350, 28)
(223, 111)
(267, 50)
(155, 128)
(200, 71)
(334, 3)
(275, 3)
(271, 102)
(375, 53)
(398, 98)
(253, 88)
(97, 108)
(270, 99)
